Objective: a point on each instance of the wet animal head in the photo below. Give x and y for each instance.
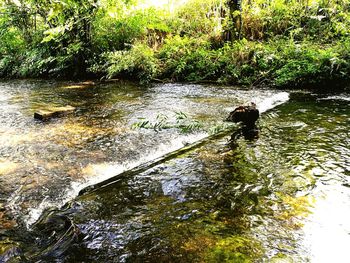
(248, 115)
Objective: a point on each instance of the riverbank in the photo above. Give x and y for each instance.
(276, 63)
(277, 44)
(279, 64)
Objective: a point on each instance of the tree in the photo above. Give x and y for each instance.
(234, 25)
(69, 30)
(20, 15)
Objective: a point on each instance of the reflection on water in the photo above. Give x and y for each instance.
(46, 164)
(263, 200)
(327, 230)
(259, 202)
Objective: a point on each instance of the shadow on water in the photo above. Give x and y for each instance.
(214, 203)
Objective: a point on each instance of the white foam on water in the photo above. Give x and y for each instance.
(35, 213)
(105, 171)
(108, 170)
(269, 103)
(337, 97)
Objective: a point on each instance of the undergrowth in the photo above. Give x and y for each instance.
(282, 44)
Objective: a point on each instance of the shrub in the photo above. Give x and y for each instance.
(120, 29)
(190, 59)
(199, 18)
(138, 62)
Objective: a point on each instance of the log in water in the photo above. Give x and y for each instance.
(55, 112)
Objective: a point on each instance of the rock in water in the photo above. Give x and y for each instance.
(247, 115)
(46, 114)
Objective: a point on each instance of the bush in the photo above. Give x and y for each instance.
(285, 43)
(184, 58)
(279, 63)
(119, 30)
(198, 18)
(310, 65)
(138, 62)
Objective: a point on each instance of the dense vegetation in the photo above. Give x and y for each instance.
(282, 43)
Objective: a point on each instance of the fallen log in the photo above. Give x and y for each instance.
(46, 114)
(150, 164)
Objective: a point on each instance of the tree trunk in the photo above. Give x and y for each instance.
(234, 28)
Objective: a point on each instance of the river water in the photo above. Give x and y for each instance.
(283, 197)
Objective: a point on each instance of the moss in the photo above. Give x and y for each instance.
(294, 209)
(235, 249)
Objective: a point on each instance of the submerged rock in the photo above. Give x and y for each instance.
(47, 241)
(10, 252)
(55, 232)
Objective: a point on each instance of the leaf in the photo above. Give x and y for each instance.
(53, 33)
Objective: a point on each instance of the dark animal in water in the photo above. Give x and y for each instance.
(247, 115)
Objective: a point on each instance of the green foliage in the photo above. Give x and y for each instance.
(321, 20)
(220, 127)
(138, 62)
(284, 43)
(307, 64)
(189, 59)
(117, 29)
(56, 36)
(198, 18)
(11, 41)
(7, 64)
(281, 63)
(182, 122)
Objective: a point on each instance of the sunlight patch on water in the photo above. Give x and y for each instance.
(75, 134)
(75, 87)
(327, 230)
(7, 166)
(13, 138)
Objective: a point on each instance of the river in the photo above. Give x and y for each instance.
(283, 196)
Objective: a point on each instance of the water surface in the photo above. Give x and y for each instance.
(45, 164)
(271, 199)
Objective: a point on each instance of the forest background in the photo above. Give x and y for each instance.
(278, 43)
